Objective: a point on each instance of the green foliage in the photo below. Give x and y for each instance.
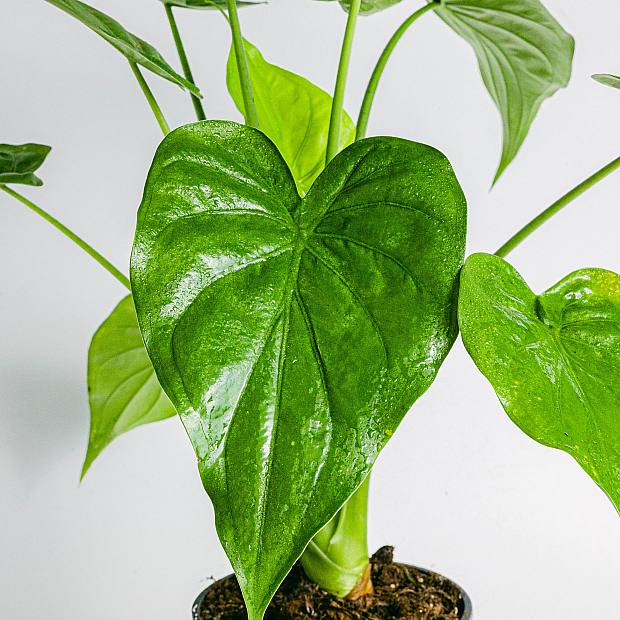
(123, 390)
(292, 112)
(368, 6)
(19, 162)
(292, 334)
(524, 55)
(133, 48)
(607, 79)
(553, 359)
(208, 4)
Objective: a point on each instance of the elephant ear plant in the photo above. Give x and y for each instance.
(297, 287)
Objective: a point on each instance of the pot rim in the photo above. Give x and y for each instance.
(466, 613)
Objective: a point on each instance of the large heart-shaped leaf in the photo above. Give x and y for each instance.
(607, 79)
(123, 390)
(292, 112)
(553, 359)
(524, 55)
(292, 334)
(132, 47)
(368, 6)
(19, 162)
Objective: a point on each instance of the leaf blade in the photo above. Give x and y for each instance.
(524, 56)
(607, 79)
(19, 162)
(292, 112)
(129, 45)
(208, 5)
(368, 7)
(249, 304)
(552, 359)
(123, 391)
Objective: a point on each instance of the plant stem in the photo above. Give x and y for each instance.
(251, 116)
(333, 138)
(151, 99)
(176, 35)
(371, 89)
(557, 206)
(215, 5)
(104, 262)
(337, 557)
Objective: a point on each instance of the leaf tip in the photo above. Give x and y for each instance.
(91, 455)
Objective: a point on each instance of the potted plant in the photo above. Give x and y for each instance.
(295, 286)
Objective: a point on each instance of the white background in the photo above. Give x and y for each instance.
(460, 489)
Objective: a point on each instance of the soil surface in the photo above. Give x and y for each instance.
(400, 592)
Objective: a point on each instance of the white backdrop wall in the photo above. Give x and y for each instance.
(460, 489)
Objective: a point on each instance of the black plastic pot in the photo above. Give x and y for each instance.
(464, 605)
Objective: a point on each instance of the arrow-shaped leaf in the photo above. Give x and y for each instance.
(607, 79)
(123, 390)
(132, 47)
(19, 162)
(524, 55)
(292, 334)
(293, 113)
(553, 359)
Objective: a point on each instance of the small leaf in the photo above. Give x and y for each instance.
(209, 4)
(368, 6)
(524, 55)
(123, 390)
(18, 163)
(292, 334)
(607, 79)
(553, 359)
(292, 112)
(133, 48)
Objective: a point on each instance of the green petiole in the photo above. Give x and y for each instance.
(371, 89)
(337, 557)
(556, 207)
(104, 262)
(176, 35)
(333, 138)
(215, 5)
(159, 116)
(242, 65)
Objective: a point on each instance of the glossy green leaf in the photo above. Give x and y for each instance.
(292, 334)
(19, 162)
(123, 390)
(524, 55)
(132, 47)
(292, 112)
(208, 4)
(553, 359)
(607, 79)
(368, 6)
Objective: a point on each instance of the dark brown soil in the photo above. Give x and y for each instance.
(400, 592)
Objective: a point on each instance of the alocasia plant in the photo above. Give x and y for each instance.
(249, 297)
(296, 287)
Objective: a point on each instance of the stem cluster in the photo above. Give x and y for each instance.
(337, 557)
